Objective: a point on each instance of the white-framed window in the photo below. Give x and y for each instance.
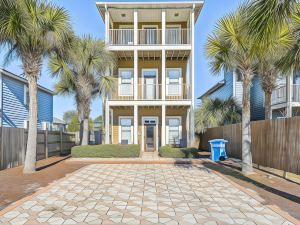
(150, 83)
(174, 81)
(125, 130)
(126, 82)
(174, 130)
(173, 34)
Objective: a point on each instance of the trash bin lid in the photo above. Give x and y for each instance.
(217, 140)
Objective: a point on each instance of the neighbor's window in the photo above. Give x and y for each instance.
(174, 130)
(126, 82)
(173, 81)
(126, 130)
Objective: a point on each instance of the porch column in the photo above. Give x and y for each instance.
(163, 125)
(289, 95)
(107, 26)
(135, 124)
(107, 130)
(135, 74)
(135, 26)
(163, 74)
(163, 27)
(188, 126)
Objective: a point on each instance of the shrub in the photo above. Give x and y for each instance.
(170, 152)
(106, 151)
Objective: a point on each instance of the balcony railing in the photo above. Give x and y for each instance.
(296, 92)
(121, 37)
(175, 36)
(149, 36)
(151, 92)
(279, 95)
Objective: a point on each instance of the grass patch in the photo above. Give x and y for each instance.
(106, 151)
(170, 152)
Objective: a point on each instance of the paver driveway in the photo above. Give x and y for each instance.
(142, 194)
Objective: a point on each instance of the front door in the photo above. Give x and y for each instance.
(150, 138)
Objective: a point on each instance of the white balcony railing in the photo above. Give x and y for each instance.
(149, 36)
(296, 92)
(175, 36)
(121, 37)
(279, 95)
(151, 92)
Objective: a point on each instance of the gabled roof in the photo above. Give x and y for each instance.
(23, 80)
(213, 89)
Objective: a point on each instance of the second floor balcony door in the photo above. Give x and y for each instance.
(150, 35)
(126, 82)
(150, 87)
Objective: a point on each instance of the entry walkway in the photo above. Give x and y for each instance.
(142, 194)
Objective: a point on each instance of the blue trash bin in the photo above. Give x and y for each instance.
(218, 149)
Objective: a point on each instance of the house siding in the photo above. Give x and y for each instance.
(226, 91)
(16, 112)
(257, 100)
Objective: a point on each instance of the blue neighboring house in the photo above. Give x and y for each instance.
(232, 87)
(14, 102)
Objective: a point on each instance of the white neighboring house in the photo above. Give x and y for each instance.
(153, 102)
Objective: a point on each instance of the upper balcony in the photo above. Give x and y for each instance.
(143, 23)
(146, 36)
(280, 94)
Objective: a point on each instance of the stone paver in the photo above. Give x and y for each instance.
(142, 194)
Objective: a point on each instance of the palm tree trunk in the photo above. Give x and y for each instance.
(85, 133)
(30, 158)
(268, 112)
(246, 128)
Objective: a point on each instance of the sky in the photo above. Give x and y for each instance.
(86, 20)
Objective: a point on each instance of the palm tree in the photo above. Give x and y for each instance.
(231, 48)
(216, 112)
(82, 72)
(31, 29)
(268, 69)
(266, 18)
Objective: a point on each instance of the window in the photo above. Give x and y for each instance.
(174, 81)
(174, 130)
(126, 130)
(126, 82)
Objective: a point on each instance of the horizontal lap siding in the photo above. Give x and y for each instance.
(257, 100)
(45, 107)
(15, 112)
(226, 91)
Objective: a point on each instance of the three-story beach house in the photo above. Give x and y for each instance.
(152, 103)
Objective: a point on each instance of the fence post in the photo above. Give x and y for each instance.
(46, 143)
(61, 142)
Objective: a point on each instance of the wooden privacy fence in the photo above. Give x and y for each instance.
(274, 143)
(49, 143)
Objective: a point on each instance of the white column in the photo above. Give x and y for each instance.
(163, 74)
(163, 27)
(135, 124)
(192, 124)
(107, 26)
(188, 126)
(289, 95)
(107, 132)
(163, 125)
(135, 74)
(135, 26)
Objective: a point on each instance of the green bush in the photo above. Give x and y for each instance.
(106, 151)
(170, 152)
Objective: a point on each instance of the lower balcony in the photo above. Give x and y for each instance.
(151, 92)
